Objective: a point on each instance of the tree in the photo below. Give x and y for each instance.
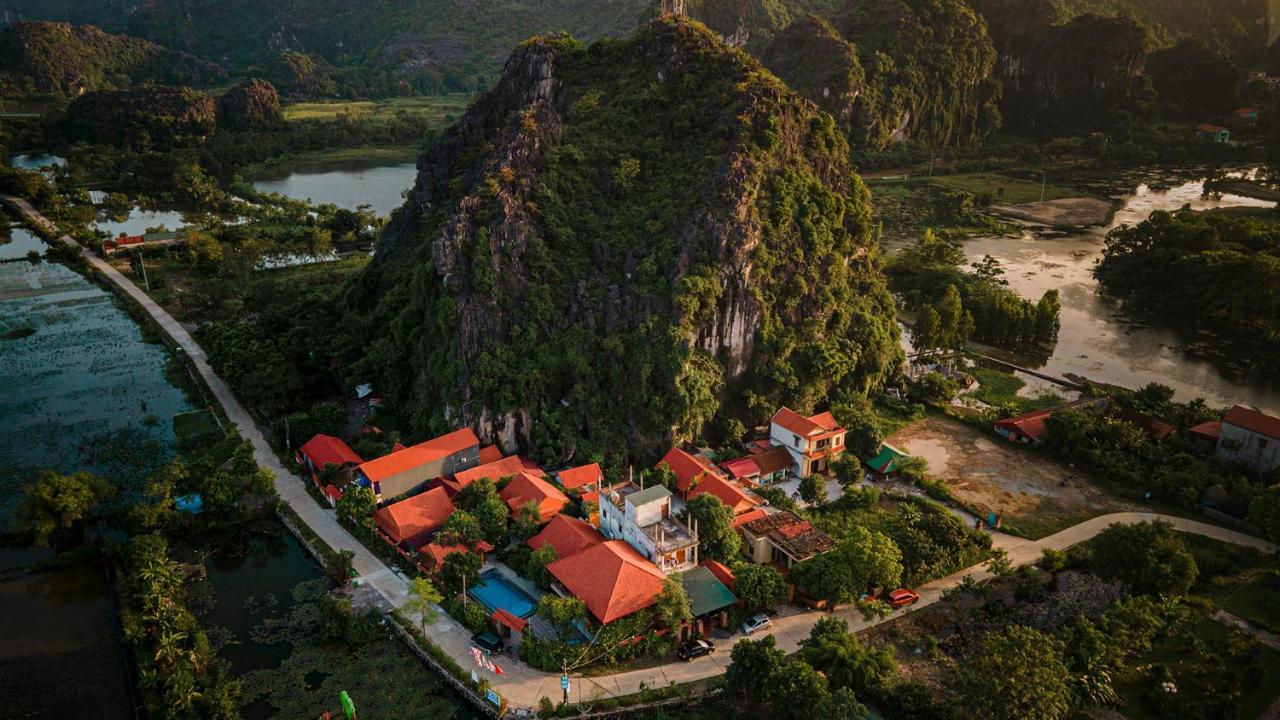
(863, 560)
(1016, 674)
(538, 561)
(356, 507)
(665, 476)
(1264, 511)
(926, 335)
(561, 612)
(423, 599)
(461, 528)
(481, 499)
(835, 652)
(1149, 557)
(791, 687)
(459, 569)
(673, 607)
(528, 520)
(58, 503)
(841, 704)
(813, 489)
(340, 566)
(760, 586)
(717, 538)
(750, 662)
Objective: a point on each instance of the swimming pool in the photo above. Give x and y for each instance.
(494, 591)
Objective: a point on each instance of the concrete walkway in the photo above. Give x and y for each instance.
(523, 686)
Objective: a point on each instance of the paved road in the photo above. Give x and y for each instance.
(521, 685)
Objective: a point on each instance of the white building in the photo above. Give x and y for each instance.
(643, 518)
(813, 441)
(1250, 438)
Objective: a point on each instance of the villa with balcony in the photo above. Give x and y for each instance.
(643, 518)
(813, 442)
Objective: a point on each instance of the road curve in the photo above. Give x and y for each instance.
(523, 686)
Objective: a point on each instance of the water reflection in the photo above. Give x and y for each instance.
(1097, 339)
(347, 185)
(36, 161)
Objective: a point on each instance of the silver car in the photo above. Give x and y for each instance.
(756, 622)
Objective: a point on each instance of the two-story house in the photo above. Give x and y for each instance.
(410, 469)
(643, 518)
(1250, 438)
(813, 441)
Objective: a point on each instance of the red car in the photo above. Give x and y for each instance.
(903, 597)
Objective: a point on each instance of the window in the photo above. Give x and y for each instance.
(1262, 443)
(822, 444)
(795, 439)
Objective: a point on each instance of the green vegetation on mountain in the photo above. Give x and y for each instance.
(376, 47)
(47, 58)
(1217, 271)
(147, 116)
(625, 242)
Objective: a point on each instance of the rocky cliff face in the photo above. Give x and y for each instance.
(624, 243)
(252, 104)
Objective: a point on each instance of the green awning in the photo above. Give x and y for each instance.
(706, 593)
(887, 461)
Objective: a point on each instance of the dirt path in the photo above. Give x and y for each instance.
(1066, 212)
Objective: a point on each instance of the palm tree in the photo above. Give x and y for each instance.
(169, 646)
(422, 601)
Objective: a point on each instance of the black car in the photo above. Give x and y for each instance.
(488, 642)
(695, 649)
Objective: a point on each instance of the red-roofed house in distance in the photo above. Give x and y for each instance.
(783, 538)
(611, 578)
(743, 469)
(583, 479)
(412, 523)
(411, 469)
(689, 468)
(568, 535)
(490, 453)
(324, 451)
(1029, 427)
(434, 554)
(526, 488)
(812, 441)
(1250, 438)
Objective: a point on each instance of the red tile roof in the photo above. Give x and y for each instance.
(1211, 430)
(743, 467)
(438, 552)
(526, 488)
(814, 427)
(418, 455)
(688, 468)
(825, 420)
(774, 459)
(611, 578)
(332, 492)
(416, 520)
(749, 516)
(502, 617)
(574, 478)
(1211, 128)
(325, 450)
(1253, 421)
(568, 535)
(1030, 424)
(509, 466)
(738, 499)
(792, 534)
(490, 453)
(721, 571)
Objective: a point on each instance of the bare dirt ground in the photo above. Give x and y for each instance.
(1035, 495)
(1066, 212)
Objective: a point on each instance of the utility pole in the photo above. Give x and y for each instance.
(1044, 182)
(564, 680)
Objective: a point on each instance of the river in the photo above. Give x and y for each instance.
(347, 184)
(1098, 340)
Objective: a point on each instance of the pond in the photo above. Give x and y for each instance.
(36, 161)
(346, 184)
(140, 221)
(16, 242)
(1098, 340)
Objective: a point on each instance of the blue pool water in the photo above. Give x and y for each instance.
(494, 591)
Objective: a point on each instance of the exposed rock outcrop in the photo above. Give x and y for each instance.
(248, 105)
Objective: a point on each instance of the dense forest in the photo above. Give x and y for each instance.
(627, 241)
(1217, 271)
(62, 60)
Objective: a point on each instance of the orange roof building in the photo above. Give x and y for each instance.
(611, 578)
(490, 453)
(416, 520)
(509, 466)
(568, 535)
(324, 450)
(435, 553)
(1250, 438)
(738, 499)
(812, 441)
(410, 469)
(689, 469)
(721, 571)
(526, 488)
(583, 476)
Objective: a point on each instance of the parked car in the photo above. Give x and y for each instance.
(488, 642)
(903, 597)
(756, 622)
(695, 649)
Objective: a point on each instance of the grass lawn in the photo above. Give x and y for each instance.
(1003, 188)
(441, 108)
(997, 387)
(1257, 601)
